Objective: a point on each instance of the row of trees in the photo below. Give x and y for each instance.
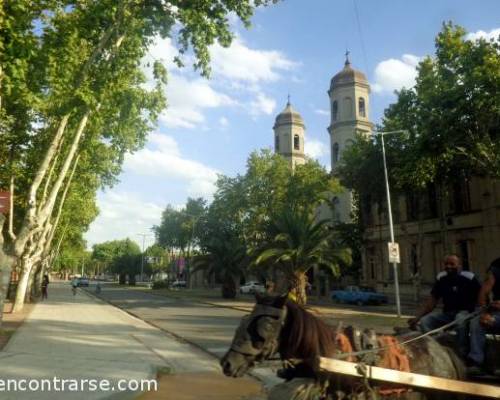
(265, 221)
(74, 99)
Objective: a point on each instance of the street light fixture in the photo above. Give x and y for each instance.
(389, 212)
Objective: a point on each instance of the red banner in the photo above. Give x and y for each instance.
(4, 202)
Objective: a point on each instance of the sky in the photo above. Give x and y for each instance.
(293, 47)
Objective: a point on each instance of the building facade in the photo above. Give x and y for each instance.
(465, 221)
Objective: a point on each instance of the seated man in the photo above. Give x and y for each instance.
(489, 320)
(458, 290)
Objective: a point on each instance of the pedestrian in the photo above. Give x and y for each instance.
(458, 291)
(488, 321)
(74, 285)
(45, 284)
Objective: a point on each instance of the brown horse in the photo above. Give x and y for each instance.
(279, 326)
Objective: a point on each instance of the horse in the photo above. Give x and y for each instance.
(278, 325)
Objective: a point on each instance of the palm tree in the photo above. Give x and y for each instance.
(225, 257)
(298, 243)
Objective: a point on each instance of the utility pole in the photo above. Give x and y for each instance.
(144, 235)
(391, 226)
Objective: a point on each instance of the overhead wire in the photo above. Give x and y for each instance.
(360, 32)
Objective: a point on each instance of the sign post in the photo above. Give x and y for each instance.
(393, 253)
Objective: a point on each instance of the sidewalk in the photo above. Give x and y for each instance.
(80, 337)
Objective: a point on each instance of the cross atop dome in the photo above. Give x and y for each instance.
(347, 62)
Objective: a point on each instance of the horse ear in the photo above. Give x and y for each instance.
(280, 300)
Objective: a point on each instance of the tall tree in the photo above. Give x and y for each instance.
(73, 84)
(298, 243)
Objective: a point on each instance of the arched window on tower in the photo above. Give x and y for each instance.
(334, 110)
(277, 143)
(361, 107)
(347, 108)
(296, 142)
(335, 152)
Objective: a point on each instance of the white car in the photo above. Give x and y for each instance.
(252, 287)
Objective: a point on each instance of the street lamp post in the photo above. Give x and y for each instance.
(389, 212)
(144, 235)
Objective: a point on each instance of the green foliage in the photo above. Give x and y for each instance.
(298, 243)
(180, 229)
(247, 202)
(121, 257)
(157, 258)
(224, 258)
(452, 113)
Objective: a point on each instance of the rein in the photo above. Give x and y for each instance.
(421, 336)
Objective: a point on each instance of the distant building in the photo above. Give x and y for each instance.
(289, 135)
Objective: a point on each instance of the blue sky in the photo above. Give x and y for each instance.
(295, 46)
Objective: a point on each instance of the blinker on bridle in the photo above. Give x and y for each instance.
(261, 310)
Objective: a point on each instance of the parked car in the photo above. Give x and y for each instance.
(358, 295)
(82, 281)
(252, 287)
(178, 284)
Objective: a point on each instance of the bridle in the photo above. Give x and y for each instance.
(267, 330)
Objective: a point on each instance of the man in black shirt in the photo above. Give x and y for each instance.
(458, 291)
(489, 320)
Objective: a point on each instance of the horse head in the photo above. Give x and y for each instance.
(257, 337)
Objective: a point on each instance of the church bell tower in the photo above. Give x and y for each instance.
(289, 133)
(349, 109)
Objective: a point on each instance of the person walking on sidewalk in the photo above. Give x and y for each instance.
(45, 285)
(488, 321)
(458, 291)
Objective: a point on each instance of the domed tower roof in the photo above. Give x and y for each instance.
(348, 76)
(289, 116)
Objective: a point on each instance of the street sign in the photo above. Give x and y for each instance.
(394, 252)
(4, 202)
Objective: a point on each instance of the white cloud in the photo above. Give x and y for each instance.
(262, 105)
(315, 148)
(163, 159)
(187, 99)
(493, 34)
(237, 68)
(393, 74)
(322, 112)
(241, 63)
(123, 215)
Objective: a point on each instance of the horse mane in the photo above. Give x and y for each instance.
(305, 336)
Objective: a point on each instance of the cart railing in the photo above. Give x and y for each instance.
(406, 378)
